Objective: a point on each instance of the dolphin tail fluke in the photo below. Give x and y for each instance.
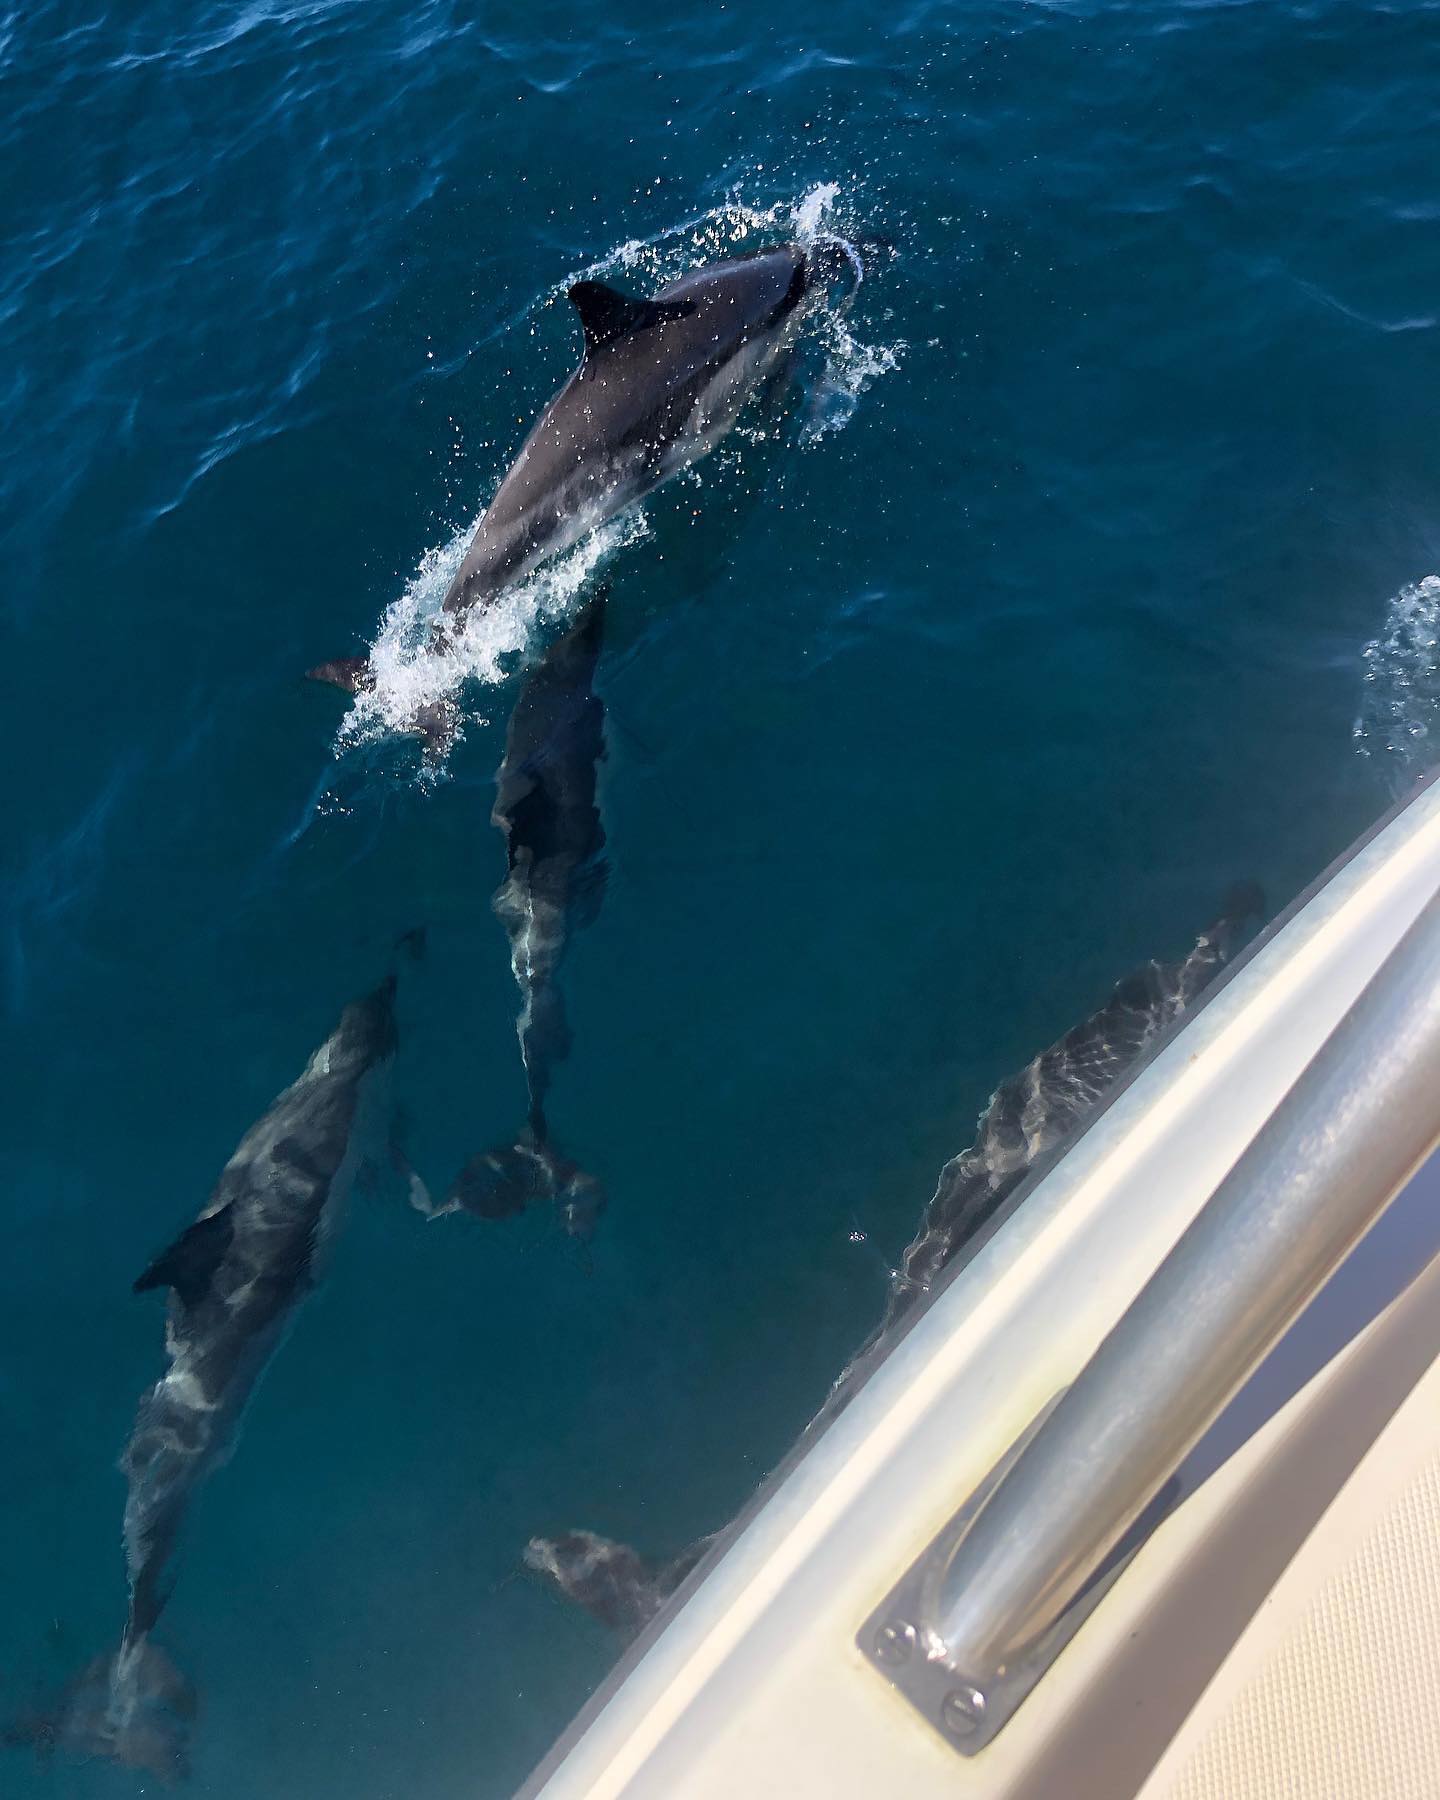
(409, 1177)
(352, 674)
(132, 1707)
(578, 1195)
(497, 1183)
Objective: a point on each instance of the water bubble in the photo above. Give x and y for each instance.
(1399, 720)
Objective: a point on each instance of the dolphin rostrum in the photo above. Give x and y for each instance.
(1030, 1115)
(235, 1277)
(545, 803)
(661, 382)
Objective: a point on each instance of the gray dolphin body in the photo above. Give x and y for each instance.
(546, 804)
(236, 1278)
(661, 382)
(1030, 1115)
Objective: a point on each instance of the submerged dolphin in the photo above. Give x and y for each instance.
(236, 1278)
(613, 1583)
(545, 803)
(1030, 1115)
(661, 382)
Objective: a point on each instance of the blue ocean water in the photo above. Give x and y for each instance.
(1095, 547)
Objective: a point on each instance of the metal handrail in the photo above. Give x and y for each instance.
(1363, 1115)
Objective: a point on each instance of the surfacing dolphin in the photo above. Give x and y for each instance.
(1030, 1115)
(545, 803)
(661, 383)
(236, 1277)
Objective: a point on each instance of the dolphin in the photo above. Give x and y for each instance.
(617, 1586)
(661, 382)
(545, 804)
(236, 1278)
(1030, 1115)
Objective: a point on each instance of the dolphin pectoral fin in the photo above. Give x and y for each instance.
(352, 674)
(419, 1197)
(189, 1265)
(417, 1191)
(606, 314)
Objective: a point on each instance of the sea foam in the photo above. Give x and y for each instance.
(1399, 720)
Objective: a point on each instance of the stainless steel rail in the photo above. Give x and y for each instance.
(979, 1613)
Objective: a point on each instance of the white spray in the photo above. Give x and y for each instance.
(1399, 721)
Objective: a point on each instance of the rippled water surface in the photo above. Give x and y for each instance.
(1092, 546)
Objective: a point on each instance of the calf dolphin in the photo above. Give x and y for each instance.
(545, 803)
(235, 1278)
(661, 382)
(1030, 1115)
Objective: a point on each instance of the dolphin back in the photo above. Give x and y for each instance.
(631, 414)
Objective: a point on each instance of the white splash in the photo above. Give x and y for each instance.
(1399, 720)
(413, 673)
(814, 209)
(734, 226)
(850, 366)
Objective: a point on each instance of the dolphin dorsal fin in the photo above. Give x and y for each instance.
(190, 1263)
(606, 314)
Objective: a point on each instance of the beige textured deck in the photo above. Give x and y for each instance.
(1334, 1691)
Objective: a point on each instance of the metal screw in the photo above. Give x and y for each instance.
(962, 1712)
(895, 1641)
